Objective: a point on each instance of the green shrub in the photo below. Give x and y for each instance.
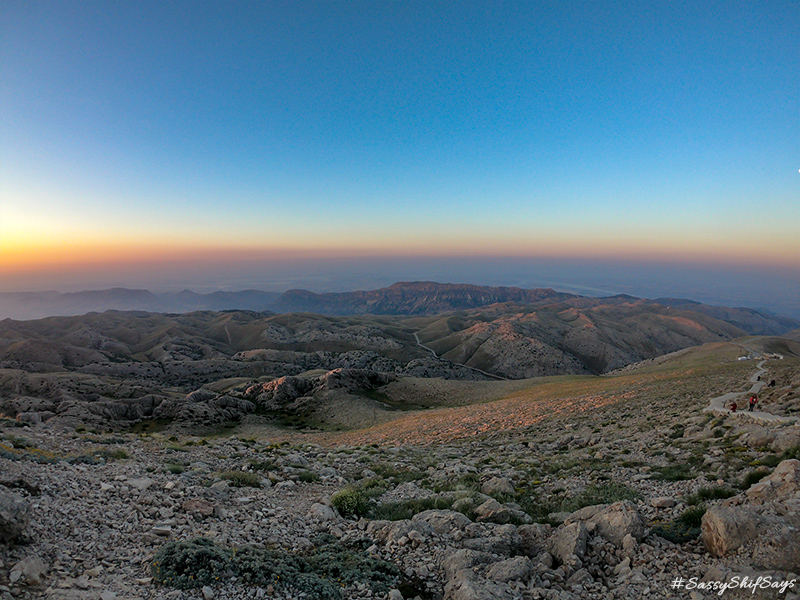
(692, 517)
(677, 472)
(397, 511)
(189, 564)
(710, 493)
(350, 502)
(599, 494)
(307, 476)
(241, 478)
(267, 465)
(753, 477)
(683, 529)
(676, 532)
(318, 574)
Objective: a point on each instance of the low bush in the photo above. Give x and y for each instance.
(605, 493)
(754, 477)
(683, 529)
(241, 478)
(710, 493)
(678, 472)
(692, 517)
(307, 476)
(397, 511)
(350, 502)
(319, 573)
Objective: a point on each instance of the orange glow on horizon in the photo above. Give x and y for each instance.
(27, 256)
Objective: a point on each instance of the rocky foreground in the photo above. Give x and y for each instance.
(631, 502)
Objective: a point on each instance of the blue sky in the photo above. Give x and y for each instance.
(137, 135)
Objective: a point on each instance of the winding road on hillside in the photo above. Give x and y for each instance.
(721, 404)
(431, 350)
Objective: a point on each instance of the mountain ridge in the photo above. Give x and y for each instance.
(401, 298)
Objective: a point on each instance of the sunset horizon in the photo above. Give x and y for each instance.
(255, 145)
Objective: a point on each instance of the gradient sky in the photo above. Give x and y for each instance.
(141, 142)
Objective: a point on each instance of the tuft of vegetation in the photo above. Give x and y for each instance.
(605, 493)
(307, 476)
(710, 493)
(241, 478)
(683, 529)
(693, 516)
(267, 465)
(397, 511)
(754, 477)
(189, 564)
(319, 573)
(677, 472)
(37, 455)
(350, 502)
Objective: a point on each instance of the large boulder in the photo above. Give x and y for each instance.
(612, 521)
(492, 538)
(780, 551)
(30, 571)
(518, 568)
(463, 581)
(568, 540)
(786, 439)
(726, 528)
(783, 483)
(14, 516)
(618, 520)
(497, 485)
(533, 538)
(492, 511)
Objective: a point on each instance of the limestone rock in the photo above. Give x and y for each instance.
(518, 568)
(442, 521)
(725, 528)
(198, 508)
(786, 439)
(662, 502)
(618, 520)
(321, 512)
(533, 538)
(568, 540)
(30, 570)
(759, 437)
(497, 485)
(14, 516)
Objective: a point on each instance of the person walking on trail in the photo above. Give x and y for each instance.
(753, 400)
(733, 406)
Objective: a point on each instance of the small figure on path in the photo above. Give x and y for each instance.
(752, 402)
(733, 406)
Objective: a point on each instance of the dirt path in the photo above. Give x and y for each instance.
(721, 404)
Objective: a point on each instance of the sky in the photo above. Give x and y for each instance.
(642, 147)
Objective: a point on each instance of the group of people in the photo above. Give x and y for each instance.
(752, 403)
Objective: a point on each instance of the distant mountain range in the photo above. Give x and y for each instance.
(405, 298)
